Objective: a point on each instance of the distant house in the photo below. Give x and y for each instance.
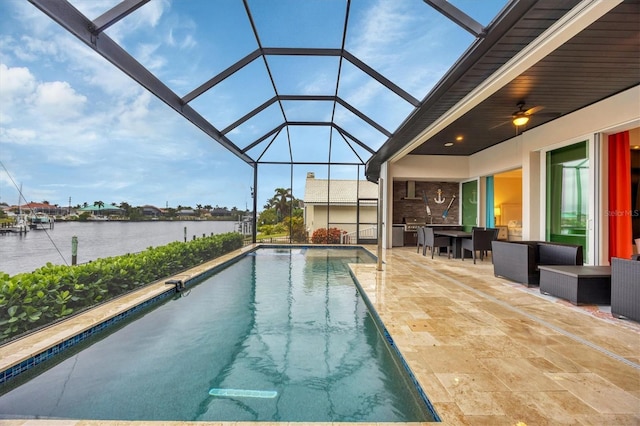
(51, 209)
(186, 213)
(106, 210)
(220, 211)
(337, 201)
(152, 211)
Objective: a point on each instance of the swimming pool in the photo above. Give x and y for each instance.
(280, 335)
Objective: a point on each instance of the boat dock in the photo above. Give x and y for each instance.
(13, 228)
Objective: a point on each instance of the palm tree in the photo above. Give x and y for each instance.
(100, 205)
(281, 201)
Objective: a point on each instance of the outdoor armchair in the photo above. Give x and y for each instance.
(625, 288)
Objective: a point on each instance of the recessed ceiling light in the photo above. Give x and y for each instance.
(448, 144)
(635, 147)
(459, 138)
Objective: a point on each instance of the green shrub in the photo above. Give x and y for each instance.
(298, 231)
(32, 300)
(266, 229)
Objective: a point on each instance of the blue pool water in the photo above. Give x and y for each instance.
(280, 335)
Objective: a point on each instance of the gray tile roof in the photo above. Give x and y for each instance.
(343, 192)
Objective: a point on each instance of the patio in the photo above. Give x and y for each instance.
(490, 351)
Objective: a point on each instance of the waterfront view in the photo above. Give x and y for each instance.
(25, 253)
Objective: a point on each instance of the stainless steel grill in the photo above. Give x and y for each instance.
(412, 223)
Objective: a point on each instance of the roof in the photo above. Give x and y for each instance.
(39, 206)
(345, 192)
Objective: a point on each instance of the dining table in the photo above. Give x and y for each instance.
(456, 236)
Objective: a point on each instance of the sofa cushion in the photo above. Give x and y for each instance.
(559, 254)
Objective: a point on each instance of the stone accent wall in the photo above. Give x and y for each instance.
(415, 208)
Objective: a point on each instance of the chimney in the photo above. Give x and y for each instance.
(311, 175)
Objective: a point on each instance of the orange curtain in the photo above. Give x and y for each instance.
(620, 229)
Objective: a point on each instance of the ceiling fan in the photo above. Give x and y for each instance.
(522, 115)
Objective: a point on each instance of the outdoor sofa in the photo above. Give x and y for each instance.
(519, 260)
(625, 288)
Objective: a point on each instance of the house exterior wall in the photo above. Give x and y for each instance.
(528, 151)
(341, 217)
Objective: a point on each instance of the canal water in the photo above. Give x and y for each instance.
(25, 253)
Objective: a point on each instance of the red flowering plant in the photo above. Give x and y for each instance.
(326, 236)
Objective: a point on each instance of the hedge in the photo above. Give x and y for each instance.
(48, 294)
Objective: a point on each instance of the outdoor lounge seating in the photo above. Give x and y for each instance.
(625, 288)
(480, 241)
(519, 260)
(434, 242)
(579, 284)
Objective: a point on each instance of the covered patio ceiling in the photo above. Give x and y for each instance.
(286, 97)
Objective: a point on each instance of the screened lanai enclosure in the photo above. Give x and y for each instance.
(291, 88)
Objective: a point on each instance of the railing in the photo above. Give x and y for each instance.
(370, 233)
(270, 240)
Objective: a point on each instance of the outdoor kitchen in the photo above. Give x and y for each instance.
(418, 203)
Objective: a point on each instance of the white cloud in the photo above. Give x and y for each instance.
(34, 49)
(318, 83)
(412, 49)
(177, 38)
(15, 84)
(17, 135)
(146, 17)
(58, 100)
(384, 22)
(147, 54)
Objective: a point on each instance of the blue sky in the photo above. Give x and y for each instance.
(73, 125)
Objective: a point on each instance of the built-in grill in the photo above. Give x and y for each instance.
(412, 223)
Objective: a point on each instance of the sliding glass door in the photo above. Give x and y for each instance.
(469, 204)
(567, 207)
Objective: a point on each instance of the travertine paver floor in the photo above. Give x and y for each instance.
(491, 352)
(488, 351)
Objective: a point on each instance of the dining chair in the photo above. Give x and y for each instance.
(480, 241)
(420, 239)
(433, 242)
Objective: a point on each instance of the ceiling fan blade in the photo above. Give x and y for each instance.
(533, 110)
(499, 125)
